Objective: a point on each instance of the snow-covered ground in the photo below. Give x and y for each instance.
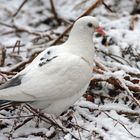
(106, 112)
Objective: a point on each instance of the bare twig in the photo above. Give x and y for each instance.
(17, 117)
(23, 123)
(3, 76)
(54, 11)
(112, 56)
(98, 71)
(17, 44)
(133, 21)
(22, 4)
(5, 105)
(8, 73)
(121, 125)
(107, 7)
(129, 92)
(9, 104)
(36, 39)
(20, 65)
(18, 29)
(100, 65)
(2, 55)
(7, 25)
(78, 127)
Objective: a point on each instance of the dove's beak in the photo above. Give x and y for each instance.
(100, 30)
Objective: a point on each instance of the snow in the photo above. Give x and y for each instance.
(111, 108)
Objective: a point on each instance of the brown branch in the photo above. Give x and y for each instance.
(17, 44)
(133, 21)
(8, 73)
(98, 71)
(85, 117)
(78, 127)
(18, 29)
(7, 25)
(9, 104)
(20, 65)
(2, 55)
(5, 105)
(23, 123)
(27, 31)
(88, 11)
(3, 76)
(62, 35)
(54, 11)
(129, 92)
(36, 39)
(114, 81)
(107, 7)
(101, 66)
(114, 57)
(17, 117)
(22, 4)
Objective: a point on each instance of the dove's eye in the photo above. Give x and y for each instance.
(48, 52)
(90, 24)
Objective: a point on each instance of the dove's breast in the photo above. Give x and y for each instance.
(65, 83)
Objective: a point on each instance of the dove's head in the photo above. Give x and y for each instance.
(80, 41)
(87, 25)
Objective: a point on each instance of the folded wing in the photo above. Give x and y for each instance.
(62, 76)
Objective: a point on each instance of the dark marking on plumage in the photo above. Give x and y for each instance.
(47, 60)
(40, 64)
(48, 52)
(42, 58)
(12, 83)
(51, 59)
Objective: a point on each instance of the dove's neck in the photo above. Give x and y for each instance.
(81, 44)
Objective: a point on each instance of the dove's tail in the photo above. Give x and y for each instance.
(4, 101)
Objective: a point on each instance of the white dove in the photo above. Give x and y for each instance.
(58, 76)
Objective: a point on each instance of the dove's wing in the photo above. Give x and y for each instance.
(14, 84)
(49, 79)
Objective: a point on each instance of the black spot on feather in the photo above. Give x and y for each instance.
(47, 60)
(42, 58)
